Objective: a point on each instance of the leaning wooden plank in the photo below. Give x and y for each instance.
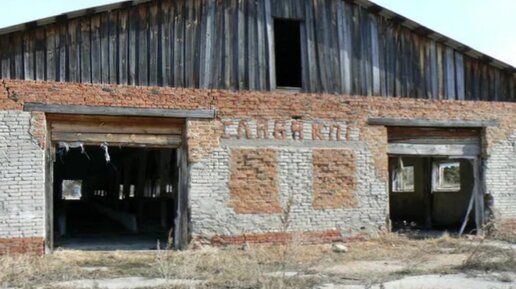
(127, 111)
(117, 138)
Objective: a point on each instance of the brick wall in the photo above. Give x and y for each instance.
(22, 186)
(334, 181)
(253, 184)
(211, 159)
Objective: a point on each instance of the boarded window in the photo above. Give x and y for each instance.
(446, 176)
(288, 53)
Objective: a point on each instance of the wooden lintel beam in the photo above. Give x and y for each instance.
(433, 149)
(119, 111)
(433, 123)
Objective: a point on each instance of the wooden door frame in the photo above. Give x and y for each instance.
(181, 221)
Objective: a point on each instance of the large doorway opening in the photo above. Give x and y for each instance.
(114, 197)
(116, 183)
(430, 193)
(435, 180)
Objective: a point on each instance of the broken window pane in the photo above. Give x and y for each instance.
(72, 189)
(403, 179)
(447, 177)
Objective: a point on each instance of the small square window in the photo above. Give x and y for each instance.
(447, 177)
(403, 179)
(72, 189)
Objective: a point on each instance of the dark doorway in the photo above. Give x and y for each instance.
(114, 197)
(430, 192)
(287, 39)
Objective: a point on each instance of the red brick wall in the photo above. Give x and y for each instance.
(318, 237)
(254, 181)
(334, 181)
(22, 246)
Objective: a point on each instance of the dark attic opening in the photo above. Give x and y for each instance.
(114, 197)
(287, 39)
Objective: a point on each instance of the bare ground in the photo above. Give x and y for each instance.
(367, 264)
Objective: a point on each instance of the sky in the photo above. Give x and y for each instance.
(485, 25)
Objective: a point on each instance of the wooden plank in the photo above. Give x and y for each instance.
(344, 47)
(85, 50)
(262, 47)
(51, 34)
(398, 134)
(122, 111)
(61, 53)
(112, 48)
(252, 41)
(5, 57)
(155, 62)
(449, 73)
(123, 47)
(40, 52)
(133, 46)
(142, 68)
(229, 51)
(102, 127)
(459, 76)
(28, 55)
(179, 45)
(115, 120)
(104, 49)
(240, 38)
(375, 59)
(433, 149)
(18, 56)
(167, 25)
(98, 57)
(94, 138)
(270, 45)
(433, 71)
(432, 123)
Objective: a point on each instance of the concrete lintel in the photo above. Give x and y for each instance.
(416, 122)
(119, 111)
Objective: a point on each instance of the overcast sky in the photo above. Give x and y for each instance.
(486, 25)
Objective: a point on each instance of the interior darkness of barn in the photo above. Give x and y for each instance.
(113, 197)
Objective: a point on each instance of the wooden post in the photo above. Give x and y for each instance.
(164, 177)
(427, 191)
(479, 198)
(140, 182)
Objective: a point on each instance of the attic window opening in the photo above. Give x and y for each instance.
(287, 39)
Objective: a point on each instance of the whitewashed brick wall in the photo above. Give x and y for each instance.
(209, 193)
(501, 177)
(22, 178)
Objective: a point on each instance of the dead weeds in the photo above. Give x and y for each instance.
(233, 267)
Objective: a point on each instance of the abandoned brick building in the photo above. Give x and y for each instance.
(214, 120)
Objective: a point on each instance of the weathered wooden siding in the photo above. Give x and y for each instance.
(229, 44)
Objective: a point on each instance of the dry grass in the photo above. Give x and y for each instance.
(233, 267)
